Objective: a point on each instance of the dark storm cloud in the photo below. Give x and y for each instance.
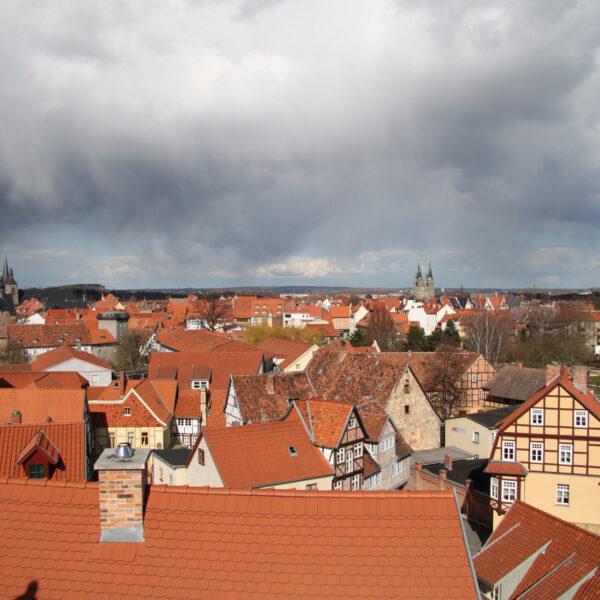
(241, 142)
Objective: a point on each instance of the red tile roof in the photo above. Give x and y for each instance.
(288, 350)
(48, 336)
(67, 438)
(223, 365)
(98, 337)
(572, 555)
(43, 379)
(259, 455)
(506, 468)
(35, 405)
(325, 419)
(222, 544)
(62, 354)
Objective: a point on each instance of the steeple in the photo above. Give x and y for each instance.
(5, 271)
(429, 271)
(418, 275)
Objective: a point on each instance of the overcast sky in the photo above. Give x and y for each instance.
(215, 143)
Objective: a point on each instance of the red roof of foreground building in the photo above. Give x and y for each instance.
(506, 468)
(259, 455)
(249, 544)
(568, 556)
(42, 379)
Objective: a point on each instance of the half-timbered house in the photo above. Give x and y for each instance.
(547, 453)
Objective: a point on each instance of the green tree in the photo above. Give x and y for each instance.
(358, 338)
(415, 339)
(451, 337)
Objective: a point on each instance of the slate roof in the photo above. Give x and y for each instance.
(491, 418)
(463, 470)
(516, 383)
(572, 555)
(259, 455)
(223, 544)
(174, 457)
(64, 353)
(67, 438)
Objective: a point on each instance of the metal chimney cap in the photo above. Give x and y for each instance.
(124, 451)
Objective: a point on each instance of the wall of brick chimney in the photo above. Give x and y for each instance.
(121, 498)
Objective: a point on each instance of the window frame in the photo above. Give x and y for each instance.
(397, 468)
(508, 486)
(127, 411)
(536, 414)
(536, 452)
(563, 494)
(494, 488)
(349, 460)
(509, 447)
(145, 436)
(584, 416)
(337, 485)
(352, 423)
(355, 483)
(358, 449)
(476, 437)
(36, 471)
(568, 449)
(340, 456)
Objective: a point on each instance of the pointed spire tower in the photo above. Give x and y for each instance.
(424, 289)
(419, 274)
(5, 271)
(429, 271)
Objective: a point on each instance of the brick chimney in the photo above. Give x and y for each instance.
(580, 375)
(15, 417)
(122, 384)
(121, 485)
(552, 371)
(203, 405)
(270, 384)
(448, 462)
(443, 475)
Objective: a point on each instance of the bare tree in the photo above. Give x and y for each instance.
(447, 392)
(381, 329)
(487, 334)
(212, 311)
(132, 351)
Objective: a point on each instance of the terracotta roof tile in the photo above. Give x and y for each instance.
(35, 405)
(326, 419)
(62, 354)
(268, 543)
(506, 468)
(46, 336)
(571, 554)
(260, 455)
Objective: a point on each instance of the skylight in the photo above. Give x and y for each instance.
(293, 451)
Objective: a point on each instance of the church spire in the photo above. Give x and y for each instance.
(419, 274)
(429, 271)
(5, 272)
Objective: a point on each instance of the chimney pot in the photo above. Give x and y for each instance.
(448, 462)
(580, 375)
(552, 371)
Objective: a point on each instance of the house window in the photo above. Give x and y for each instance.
(127, 411)
(94, 380)
(355, 482)
(352, 424)
(396, 468)
(349, 461)
(509, 491)
(340, 455)
(311, 486)
(298, 366)
(581, 418)
(537, 416)
(111, 440)
(387, 443)
(358, 449)
(562, 494)
(130, 439)
(536, 452)
(144, 438)
(200, 456)
(494, 488)
(195, 385)
(407, 388)
(375, 481)
(508, 451)
(407, 409)
(37, 471)
(565, 454)
(337, 485)
(474, 378)
(496, 592)
(476, 437)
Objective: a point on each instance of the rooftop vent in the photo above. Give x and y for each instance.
(124, 451)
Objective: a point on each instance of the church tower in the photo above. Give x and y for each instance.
(424, 288)
(8, 285)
